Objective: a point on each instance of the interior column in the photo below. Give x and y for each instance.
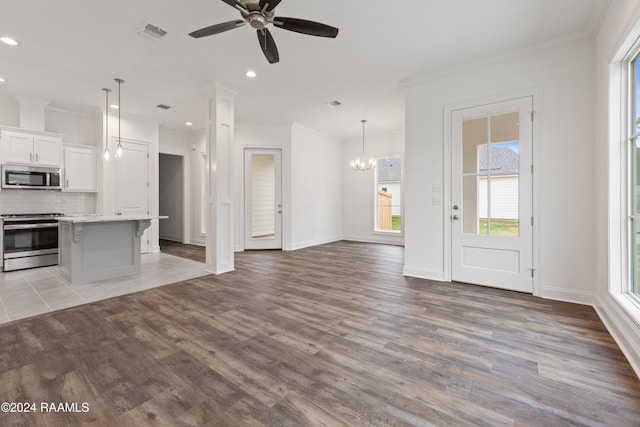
(219, 147)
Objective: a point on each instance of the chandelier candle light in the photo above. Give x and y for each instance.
(359, 164)
(107, 155)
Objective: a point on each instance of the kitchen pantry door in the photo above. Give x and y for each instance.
(491, 195)
(262, 199)
(132, 184)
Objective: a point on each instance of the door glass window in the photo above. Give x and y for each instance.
(491, 169)
(263, 196)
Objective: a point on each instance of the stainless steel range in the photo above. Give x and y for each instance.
(29, 240)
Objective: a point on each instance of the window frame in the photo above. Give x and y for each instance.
(620, 135)
(400, 232)
(632, 137)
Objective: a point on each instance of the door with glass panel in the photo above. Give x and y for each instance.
(492, 192)
(262, 199)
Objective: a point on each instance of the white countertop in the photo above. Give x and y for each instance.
(106, 218)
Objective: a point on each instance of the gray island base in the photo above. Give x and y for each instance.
(95, 248)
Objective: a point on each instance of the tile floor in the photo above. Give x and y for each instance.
(26, 293)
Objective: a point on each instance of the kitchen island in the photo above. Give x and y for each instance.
(99, 247)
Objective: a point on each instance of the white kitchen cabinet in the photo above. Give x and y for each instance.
(31, 148)
(80, 169)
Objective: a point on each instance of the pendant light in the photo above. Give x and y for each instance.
(359, 164)
(106, 154)
(119, 147)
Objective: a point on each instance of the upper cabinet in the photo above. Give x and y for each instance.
(80, 169)
(31, 148)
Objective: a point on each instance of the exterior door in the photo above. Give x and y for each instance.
(132, 184)
(263, 199)
(491, 196)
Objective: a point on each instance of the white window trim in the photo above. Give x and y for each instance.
(619, 177)
(375, 199)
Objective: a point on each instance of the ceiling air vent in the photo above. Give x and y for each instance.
(333, 103)
(151, 32)
(163, 106)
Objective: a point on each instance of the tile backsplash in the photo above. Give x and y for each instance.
(46, 201)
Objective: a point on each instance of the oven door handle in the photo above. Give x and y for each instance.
(30, 226)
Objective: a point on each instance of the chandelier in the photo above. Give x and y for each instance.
(359, 163)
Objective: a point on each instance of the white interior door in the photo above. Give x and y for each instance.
(132, 184)
(263, 199)
(491, 195)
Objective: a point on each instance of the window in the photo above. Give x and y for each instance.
(388, 195)
(634, 176)
(623, 208)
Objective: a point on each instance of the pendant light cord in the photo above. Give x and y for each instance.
(119, 149)
(106, 122)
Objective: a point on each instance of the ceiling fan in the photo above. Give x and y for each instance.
(258, 14)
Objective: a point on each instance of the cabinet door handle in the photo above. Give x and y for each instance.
(67, 182)
(31, 157)
(37, 158)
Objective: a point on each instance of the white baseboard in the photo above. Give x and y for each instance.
(567, 295)
(310, 243)
(624, 331)
(383, 240)
(423, 273)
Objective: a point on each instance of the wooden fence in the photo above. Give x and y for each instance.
(385, 217)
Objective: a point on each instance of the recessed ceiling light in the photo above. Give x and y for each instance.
(114, 106)
(189, 124)
(2, 80)
(251, 74)
(9, 41)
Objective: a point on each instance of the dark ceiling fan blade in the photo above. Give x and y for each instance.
(234, 3)
(305, 27)
(272, 4)
(216, 29)
(268, 45)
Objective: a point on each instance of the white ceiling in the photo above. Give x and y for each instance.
(70, 49)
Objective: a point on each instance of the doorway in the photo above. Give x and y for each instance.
(492, 195)
(263, 199)
(171, 182)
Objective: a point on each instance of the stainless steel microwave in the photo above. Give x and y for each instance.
(30, 177)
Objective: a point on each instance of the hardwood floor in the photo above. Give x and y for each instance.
(192, 252)
(332, 335)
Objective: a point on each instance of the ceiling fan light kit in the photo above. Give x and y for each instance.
(260, 14)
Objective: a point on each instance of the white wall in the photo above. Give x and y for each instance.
(562, 79)
(610, 268)
(316, 188)
(358, 188)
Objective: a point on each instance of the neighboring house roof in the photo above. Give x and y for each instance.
(503, 160)
(389, 169)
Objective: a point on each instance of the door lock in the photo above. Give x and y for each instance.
(454, 217)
